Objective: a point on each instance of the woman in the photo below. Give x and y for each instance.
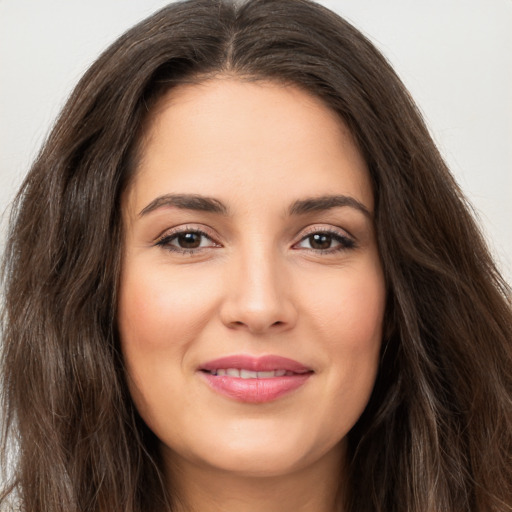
(240, 277)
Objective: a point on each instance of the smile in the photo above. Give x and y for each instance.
(249, 374)
(254, 380)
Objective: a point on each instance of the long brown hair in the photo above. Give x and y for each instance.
(437, 432)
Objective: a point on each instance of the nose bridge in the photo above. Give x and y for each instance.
(257, 298)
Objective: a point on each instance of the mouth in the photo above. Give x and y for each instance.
(255, 380)
(242, 373)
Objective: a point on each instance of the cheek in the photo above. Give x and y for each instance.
(159, 317)
(350, 309)
(349, 321)
(159, 311)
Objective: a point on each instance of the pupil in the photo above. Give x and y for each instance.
(189, 240)
(321, 241)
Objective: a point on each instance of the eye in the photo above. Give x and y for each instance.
(186, 241)
(326, 241)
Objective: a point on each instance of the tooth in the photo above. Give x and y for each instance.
(247, 374)
(266, 375)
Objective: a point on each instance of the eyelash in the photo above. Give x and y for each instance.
(345, 242)
(166, 240)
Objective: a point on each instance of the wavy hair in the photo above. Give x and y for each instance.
(437, 432)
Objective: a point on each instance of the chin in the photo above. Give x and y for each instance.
(258, 451)
(253, 464)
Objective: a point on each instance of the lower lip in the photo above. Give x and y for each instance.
(255, 391)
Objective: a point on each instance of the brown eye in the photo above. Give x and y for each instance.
(320, 241)
(326, 241)
(188, 240)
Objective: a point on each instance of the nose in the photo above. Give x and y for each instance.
(258, 295)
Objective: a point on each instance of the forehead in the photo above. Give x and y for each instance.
(254, 137)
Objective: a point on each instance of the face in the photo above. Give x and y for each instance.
(252, 294)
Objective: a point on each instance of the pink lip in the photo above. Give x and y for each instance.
(258, 390)
(256, 364)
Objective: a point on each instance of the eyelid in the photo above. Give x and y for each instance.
(199, 228)
(323, 228)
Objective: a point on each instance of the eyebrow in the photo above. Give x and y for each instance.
(187, 202)
(316, 204)
(211, 205)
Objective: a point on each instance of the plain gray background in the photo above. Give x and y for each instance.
(455, 56)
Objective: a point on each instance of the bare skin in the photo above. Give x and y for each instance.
(314, 489)
(249, 231)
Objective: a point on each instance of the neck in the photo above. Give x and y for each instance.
(315, 488)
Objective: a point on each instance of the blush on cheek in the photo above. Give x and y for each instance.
(364, 307)
(357, 316)
(171, 298)
(147, 313)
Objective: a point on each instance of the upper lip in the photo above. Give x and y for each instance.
(256, 364)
